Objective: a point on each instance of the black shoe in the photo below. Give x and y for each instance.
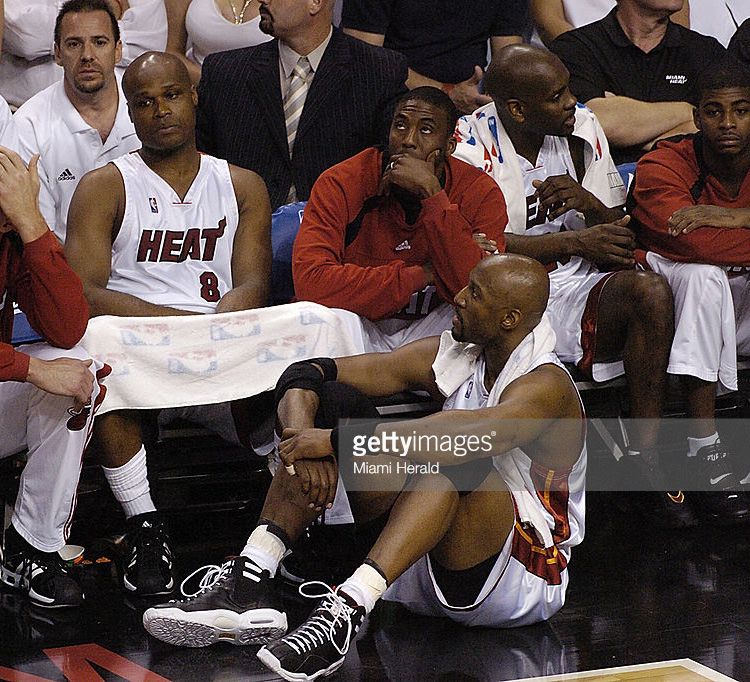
(148, 560)
(236, 604)
(715, 468)
(665, 509)
(661, 507)
(718, 497)
(43, 576)
(318, 647)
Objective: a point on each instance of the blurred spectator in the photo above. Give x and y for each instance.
(200, 27)
(636, 70)
(444, 42)
(27, 64)
(709, 17)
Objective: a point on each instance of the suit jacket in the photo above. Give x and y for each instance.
(348, 108)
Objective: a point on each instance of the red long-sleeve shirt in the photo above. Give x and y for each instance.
(663, 180)
(40, 280)
(378, 272)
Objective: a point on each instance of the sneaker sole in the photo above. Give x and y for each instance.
(209, 627)
(273, 663)
(18, 582)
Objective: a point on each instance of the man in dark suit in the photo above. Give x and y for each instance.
(349, 93)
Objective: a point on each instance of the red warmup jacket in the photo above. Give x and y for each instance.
(40, 280)
(663, 180)
(378, 272)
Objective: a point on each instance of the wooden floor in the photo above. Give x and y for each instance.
(666, 671)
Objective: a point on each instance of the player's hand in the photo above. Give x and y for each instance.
(466, 95)
(689, 218)
(299, 444)
(19, 194)
(607, 245)
(417, 176)
(485, 243)
(559, 194)
(63, 376)
(318, 479)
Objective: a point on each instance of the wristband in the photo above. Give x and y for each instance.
(447, 87)
(335, 442)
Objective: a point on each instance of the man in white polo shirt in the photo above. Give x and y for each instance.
(81, 122)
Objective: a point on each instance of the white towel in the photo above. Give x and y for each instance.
(485, 144)
(184, 360)
(455, 362)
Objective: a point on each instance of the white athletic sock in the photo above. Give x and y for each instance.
(365, 586)
(265, 549)
(695, 444)
(129, 485)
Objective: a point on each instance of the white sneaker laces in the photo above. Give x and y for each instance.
(212, 575)
(321, 626)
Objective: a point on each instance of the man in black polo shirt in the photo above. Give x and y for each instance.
(445, 43)
(636, 70)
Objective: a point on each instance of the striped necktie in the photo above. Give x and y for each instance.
(295, 99)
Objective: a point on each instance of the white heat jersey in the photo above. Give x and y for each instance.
(553, 159)
(528, 582)
(173, 252)
(472, 395)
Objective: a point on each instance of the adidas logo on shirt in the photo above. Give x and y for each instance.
(66, 175)
(403, 246)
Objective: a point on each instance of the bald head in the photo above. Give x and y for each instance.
(518, 71)
(519, 281)
(504, 300)
(151, 66)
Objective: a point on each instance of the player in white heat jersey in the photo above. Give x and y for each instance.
(172, 251)
(164, 231)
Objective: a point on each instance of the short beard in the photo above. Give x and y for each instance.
(89, 88)
(266, 24)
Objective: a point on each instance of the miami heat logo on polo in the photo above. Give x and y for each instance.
(176, 246)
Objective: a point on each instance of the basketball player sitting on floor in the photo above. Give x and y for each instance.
(470, 542)
(164, 231)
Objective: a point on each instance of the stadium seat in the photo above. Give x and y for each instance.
(285, 222)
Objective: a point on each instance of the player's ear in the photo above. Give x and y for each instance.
(517, 109)
(697, 118)
(511, 318)
(450, 146)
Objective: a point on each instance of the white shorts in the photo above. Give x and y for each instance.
(707, 334)
(387, 335)
(511, 596)
(573, 310)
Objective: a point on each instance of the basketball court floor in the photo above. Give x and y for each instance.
(675, 600)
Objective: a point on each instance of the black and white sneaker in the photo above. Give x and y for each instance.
(148, 561)
(718, 495)
(43, 576)
(317, 648)
(236, 603)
